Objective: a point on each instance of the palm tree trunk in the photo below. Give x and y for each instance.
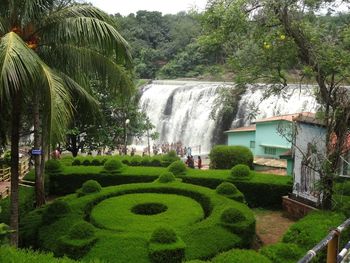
(37, 160)
(46, 150)
(15, 125)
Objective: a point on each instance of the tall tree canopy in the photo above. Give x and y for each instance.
(269, 40)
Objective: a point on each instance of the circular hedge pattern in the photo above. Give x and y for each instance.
(116, 213)
(149, 209)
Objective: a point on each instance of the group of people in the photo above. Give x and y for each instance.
(190, 162)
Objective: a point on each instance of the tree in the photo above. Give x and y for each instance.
(270, 39)
(46, 47)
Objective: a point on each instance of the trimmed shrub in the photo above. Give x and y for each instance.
(282, 252)
(169, 158)
(76, 162)
(81, 230)
(163, 235)
(90, 186)
(53, 166)
(230, 191)
(240, 171)
(240, 256)
(55, 211)
(29, 228)
(156, 161)
(146, 161)
(225, 157)
(113, 166)
(86, 162)
(166, 177)
(136, 160)
(177, 168)
(74, 248)
(165, 247)
(231, 216)
(66, 160)
(95, 162)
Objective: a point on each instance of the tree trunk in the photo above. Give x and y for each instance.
(74, 148)
(37, 160)
(15, 125)
(44, 156)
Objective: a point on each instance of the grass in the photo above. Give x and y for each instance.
(115, 213)
(193, 211)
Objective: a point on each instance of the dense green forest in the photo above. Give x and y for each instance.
(198, 45)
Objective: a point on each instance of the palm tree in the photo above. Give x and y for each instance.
(46, 49)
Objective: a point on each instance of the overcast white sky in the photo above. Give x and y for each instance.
(126, 7)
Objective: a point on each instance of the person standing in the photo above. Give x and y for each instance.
(199, 162)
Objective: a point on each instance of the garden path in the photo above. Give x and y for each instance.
(271, 225)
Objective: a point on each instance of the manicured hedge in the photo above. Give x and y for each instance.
(283, 252)
(240, 256)
(204, 239)
(225, 157)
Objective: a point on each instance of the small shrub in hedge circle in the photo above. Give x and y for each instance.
(149, 209)
(177, 168)
(240, 171)
(230, 191)
(225, 157)
(113, 165)
(163, 235)
(166, 177)
(136, 160)
(146, 161)
(55, 211)
(89, 187)
(156, 161)
(231, 216)
(81, 230)
(240, 256)
(283, 252)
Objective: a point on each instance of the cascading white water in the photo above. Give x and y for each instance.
(180, 110)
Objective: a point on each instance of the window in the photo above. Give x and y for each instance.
(252, 144)
(270, 151)
(345, 165)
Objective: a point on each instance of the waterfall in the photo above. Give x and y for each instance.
(180, 110)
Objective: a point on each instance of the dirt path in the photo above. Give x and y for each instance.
(271, 225)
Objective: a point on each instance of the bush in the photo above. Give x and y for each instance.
(163, 235)
(166, 177)
(113, 166)
(90, 186)
(74, 248)
(156, 161)
(230, 191)
(169, 158)
(177, 168)
(136, 160)
(53, 166)
(149, 209)
(146, 161)
(240, 171)
(240, 256)
(231, 216)
(225, 157)
(86, 162)
(76, 162)
(81, 230)
(55, 211)
(282, 253)
(29, 228)
(95, 162)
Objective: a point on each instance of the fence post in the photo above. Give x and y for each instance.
(332, 248)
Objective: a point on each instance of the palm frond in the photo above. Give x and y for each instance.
(87, 31)
(73, 60)
(19, 65)
(58, 102)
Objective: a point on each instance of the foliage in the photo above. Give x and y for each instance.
(166, 177)
(282, 252)
(10, 254)
(240, 256)
(169, 158)
(230, 191)
(113, 166)
(149, 208)
(55, 211)
(187, 205)
(53, 166)
(167, 253)
(81, 230)
(225, 157)
(177, 168)
(240, 171)
(231, 216)
(163, 235)
(90, 186)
